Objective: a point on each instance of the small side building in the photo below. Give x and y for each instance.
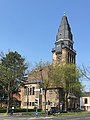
(85, 102)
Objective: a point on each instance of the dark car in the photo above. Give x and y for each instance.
(53, 111)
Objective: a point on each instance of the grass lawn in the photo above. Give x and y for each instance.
(75, 114)
(60, 114)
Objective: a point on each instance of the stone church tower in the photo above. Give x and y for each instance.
(63, 52)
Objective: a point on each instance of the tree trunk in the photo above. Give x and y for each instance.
(8, 99)
(59, 98)
(66, 102)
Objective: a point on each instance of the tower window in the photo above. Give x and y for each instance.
(68, 57)
(60, 33)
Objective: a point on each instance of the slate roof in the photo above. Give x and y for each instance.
(64, 37)
(64, 30)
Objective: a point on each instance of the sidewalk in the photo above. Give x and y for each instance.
(39, 118)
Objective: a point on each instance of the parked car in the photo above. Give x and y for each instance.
(53, 111)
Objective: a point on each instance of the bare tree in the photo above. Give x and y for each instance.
(41, 72)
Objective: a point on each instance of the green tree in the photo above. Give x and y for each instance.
(66, 77)
(56, 81)
(72, 78)
(12, 74)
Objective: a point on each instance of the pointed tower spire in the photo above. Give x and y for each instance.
(64, 31)
(63, 51)
(64, 36)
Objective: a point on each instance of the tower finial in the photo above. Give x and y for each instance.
(64, 14)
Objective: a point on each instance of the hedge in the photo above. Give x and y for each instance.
(3, 110)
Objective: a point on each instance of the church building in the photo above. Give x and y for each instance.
(62, 53)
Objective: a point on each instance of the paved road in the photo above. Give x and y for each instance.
(42, 118)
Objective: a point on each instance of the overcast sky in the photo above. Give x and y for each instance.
(30, 27)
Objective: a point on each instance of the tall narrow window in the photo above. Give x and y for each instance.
(33, 90)
(30, 91)
(27, 91)
(68, 57)
(74, 58)
(85, 101)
